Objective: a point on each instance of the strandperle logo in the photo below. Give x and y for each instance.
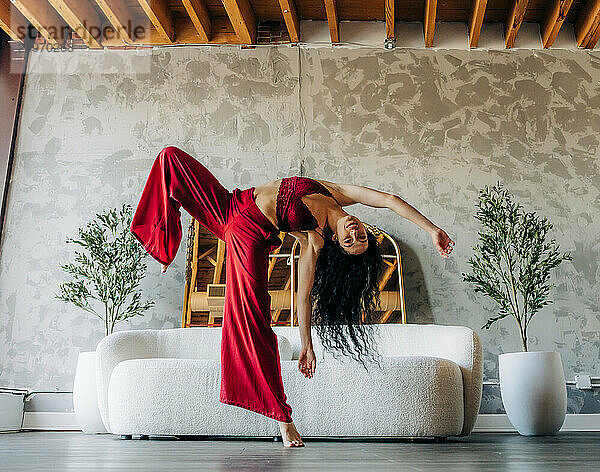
(107, 32)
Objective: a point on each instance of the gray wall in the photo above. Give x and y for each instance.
(431, 126)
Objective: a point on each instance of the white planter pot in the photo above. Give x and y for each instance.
(85, 396)
(533, 391)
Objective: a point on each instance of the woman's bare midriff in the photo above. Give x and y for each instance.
(266, 198)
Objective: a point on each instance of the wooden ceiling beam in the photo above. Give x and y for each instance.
(45, 19)
(185, 33)
(120, 16)
(587, 26)
(389, 19)
(514, 21)
(290, 15)
(476, 21)
(333, 20)
(198, 13)
(12, 21)
(555, 17)
(220, 32)
(429, 22)
(242, 19)
(161, 17)
(594, 38)
(82, 18)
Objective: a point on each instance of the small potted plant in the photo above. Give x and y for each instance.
(512, 265)
(108, 273)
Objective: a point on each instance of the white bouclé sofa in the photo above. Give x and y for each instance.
(166, 382)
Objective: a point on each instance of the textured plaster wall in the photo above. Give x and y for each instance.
(430, 126)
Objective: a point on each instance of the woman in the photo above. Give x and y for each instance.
(338, 266)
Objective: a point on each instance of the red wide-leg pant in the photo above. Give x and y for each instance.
(250, 364)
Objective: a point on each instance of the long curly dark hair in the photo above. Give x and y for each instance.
(345, 287)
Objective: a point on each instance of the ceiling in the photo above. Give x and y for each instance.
(102, 23)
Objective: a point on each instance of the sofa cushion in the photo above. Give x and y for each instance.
(407, 396)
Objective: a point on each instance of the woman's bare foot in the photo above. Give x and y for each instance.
(289, 435)
(163, 268)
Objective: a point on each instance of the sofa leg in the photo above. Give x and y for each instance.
(125, 436)
(440, 439)
(144, 436)
(277, 438)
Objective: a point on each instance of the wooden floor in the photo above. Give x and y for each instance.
(489, 452)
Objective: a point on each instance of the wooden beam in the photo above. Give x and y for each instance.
(389, 19)
(220, 260)
(288, 8)
(384, 318)
(12, 21)
(206, 253)
(120, 16)
(333, 20)
(242, 19)
(429, 22)
(278, 311)
(514, 21)
(220, 32)
(185, 33)
(555, 16)
(387, 275)
(82, 18)
(587, 26)
(198, 13)
(161, 17)
(594, 38)
(476, 21)
(274, 260)
(45, 19)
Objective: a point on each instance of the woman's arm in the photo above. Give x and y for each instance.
(307, 361)
(306, 277)
(404, 209)
(350, 194)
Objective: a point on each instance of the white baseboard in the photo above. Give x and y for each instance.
(485, 423)
(50, 421)
(499, 423)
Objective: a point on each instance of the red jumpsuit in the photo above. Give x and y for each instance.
(250, 365)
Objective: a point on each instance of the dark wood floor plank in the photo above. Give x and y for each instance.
(75, 451)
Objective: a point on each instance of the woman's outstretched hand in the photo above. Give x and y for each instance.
(442, 242)
(307, 362)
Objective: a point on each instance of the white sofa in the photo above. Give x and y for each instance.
(166, 382)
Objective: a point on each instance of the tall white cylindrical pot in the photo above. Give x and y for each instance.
(85, 397)
(533, 391)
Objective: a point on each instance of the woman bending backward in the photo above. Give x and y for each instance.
(338, 269)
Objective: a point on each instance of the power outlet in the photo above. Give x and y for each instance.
(583, 382)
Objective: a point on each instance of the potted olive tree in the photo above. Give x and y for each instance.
(512, 265)
(106, 276)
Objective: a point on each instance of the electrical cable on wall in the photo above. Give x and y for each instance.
(301, 116)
